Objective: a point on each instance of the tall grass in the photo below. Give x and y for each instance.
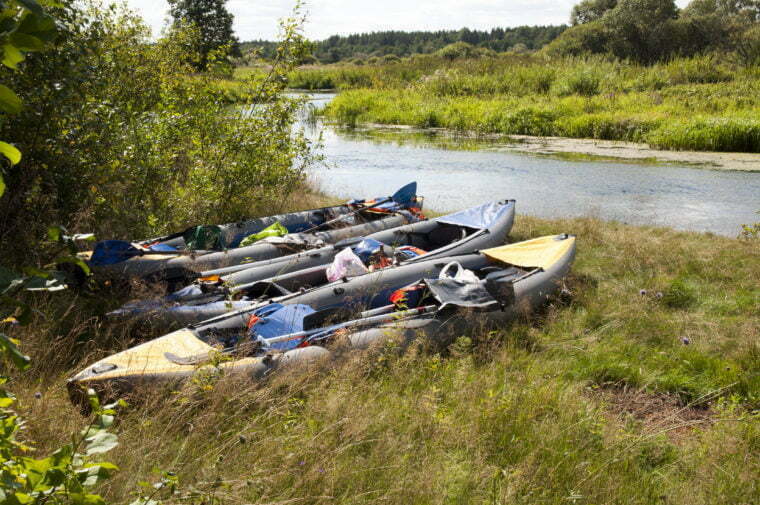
(698, 103)
(533, 413)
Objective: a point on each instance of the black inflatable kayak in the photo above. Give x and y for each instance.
(170, 258)
(463, 232)
(499, 282)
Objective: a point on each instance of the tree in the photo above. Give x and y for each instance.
(640, 29)
(590, 10)
(213, 21)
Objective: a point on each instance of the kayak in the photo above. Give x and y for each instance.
(175, 258)
(281, 279)
(499, 283)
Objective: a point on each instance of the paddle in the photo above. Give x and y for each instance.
(354, 324)
(403, 196)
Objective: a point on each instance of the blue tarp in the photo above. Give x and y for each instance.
(480, 217)
(109, 252)
(276, 320)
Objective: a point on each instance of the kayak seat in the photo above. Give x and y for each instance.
(263, 288)
(442, 235)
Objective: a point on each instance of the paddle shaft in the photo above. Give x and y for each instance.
(343, 216)
(356, 323)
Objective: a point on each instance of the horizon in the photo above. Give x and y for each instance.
(344, 17)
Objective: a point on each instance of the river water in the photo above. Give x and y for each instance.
(455, 173)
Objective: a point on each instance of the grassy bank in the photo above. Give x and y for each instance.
(612, 395)
(700, 104)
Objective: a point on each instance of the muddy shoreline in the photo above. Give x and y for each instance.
(593, 149)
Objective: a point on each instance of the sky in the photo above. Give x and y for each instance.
(257, 19)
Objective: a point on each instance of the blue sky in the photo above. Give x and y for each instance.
(255, 19)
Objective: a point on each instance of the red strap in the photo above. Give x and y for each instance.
(253, 320)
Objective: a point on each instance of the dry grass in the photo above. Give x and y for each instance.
(504, 417)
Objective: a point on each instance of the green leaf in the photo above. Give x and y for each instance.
(21, 498)
(55, 233)
(104, 421)
(6, 399)
(33, 6)
(10, 103)
(26, 42)
(86, 499)
(77, 261)
(95, 473)
(9, 349)
(100, 442)
(43, 27)
(12, 56)
(2, 185)
(13, 155)
(92, 398)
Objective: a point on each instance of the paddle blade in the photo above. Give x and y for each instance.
(405, 195)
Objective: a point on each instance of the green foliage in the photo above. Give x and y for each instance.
(401, 43)
(655, 30)
(24, 27)
(68, 475)
(581, 97)
(214, 24)
(94, 164)
(638, 29)
(456, 50)
(590, 10)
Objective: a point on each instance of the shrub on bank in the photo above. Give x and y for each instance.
(110, 115)
(709, 134)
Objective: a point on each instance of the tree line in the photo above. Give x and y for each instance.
(648, 31)
(399, 43)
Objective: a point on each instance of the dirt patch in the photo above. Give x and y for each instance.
(658, 413)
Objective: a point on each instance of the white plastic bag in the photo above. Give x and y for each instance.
(345, 264)
(456, 271)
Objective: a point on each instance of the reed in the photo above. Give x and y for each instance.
(695, 103)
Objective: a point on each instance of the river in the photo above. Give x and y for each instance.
(455, 173)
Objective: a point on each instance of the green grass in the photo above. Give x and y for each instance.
(525, 414)
(687, 104)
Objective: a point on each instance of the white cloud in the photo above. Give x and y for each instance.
(255, 19)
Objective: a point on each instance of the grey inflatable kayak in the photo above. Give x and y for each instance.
(171, 259)
(499, 283)
(467, 231)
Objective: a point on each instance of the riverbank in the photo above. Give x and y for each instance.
(632, 117)
(636, 385)
(631, 151)
(587, 149)
(693, 104)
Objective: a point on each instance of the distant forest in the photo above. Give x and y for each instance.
(399, 43)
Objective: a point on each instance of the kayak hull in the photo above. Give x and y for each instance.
(182, 268)
(302, 276)
(156, 362)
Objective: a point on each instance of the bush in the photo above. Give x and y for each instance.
(95, 150)
(709, 134)
(583, 82)
(457, 50)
